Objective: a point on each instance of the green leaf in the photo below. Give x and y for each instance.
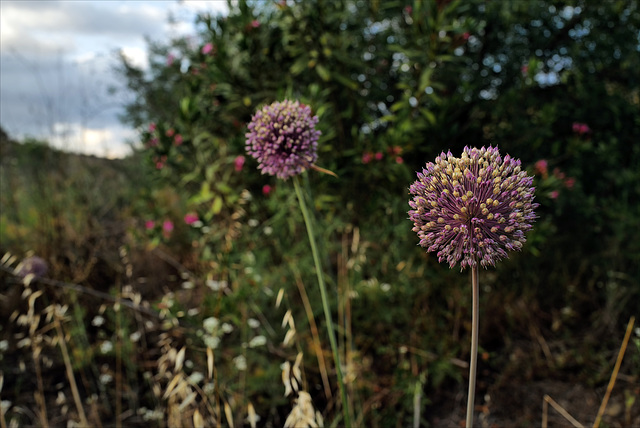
(346, 81)
(185, 105)
(323, 72)
(299, 66)
(425, 79)
(217, 205)
(223, 187)
(428, 114)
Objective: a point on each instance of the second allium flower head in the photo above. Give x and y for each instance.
(473, 208)
(283, 139)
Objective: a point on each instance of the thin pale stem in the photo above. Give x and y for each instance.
(475, 308)
(69, 368)
(325, 301)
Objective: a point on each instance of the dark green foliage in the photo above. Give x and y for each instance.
(411, 80)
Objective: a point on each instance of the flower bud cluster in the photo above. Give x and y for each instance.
(283, 139)
(474, 208)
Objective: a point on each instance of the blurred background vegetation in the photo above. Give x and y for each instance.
(553, 83)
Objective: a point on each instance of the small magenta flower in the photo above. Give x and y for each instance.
(570, 182)
(541, 168)
(580, 128)
(149, 224)
(207, 49)
(283, 139)
(473, 208)
(191, 218)
(238, 163)
(266, 190)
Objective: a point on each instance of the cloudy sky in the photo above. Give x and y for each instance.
(56, 62)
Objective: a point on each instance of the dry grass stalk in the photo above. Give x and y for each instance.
(303, 414)
(316, 337)
(545, 409)
(69, 369)
(614, 374)
(228, 414)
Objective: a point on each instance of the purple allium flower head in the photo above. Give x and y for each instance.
(32, 265)
(473, 208)
(283, 139)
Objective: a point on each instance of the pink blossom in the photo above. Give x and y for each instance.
(399, 159)
(408, 10)
(153, 142)
(152, 127)
(466, 35)
(554, 194)
(191, 218)
(366, 158)
(395, 150)
(177, 140)
(570, 182)
(255, 23)
(170, 58)
(170, 132)
(160, 161)
(581, 128)
(559, 174)
(266, 189)
(541, 167)
(149, 224)
(167, 228)
(207, 49)
(238, 163)
(378, 156)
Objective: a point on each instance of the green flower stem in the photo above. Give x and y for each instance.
(325, 301)
(475, 308)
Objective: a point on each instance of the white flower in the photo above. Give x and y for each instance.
(241, 362)
(97, 321)
(216, 285)
(211, 341)
(257, 341)
(210, 324)
(106, 347)
(196, 378)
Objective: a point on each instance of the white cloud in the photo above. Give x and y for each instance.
(109, 142)
(211, 6)
(57, 58)
(137, 56)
